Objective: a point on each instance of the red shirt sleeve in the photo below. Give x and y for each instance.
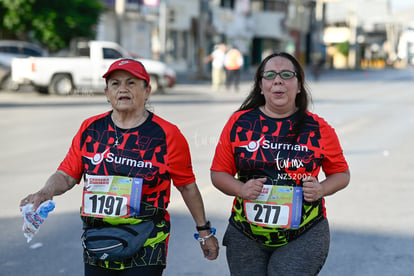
(179, 158)
(334, 160)
(223, 160)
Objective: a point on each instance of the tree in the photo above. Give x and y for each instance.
(51, 23)
(343, 48)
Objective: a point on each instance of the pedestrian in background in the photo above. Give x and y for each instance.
(218, 73)
(269, 157)
(129, 158)
(233, 63)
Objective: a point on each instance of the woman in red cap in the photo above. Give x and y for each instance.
(127, 158)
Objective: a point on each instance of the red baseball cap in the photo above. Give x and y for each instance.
(132, 66)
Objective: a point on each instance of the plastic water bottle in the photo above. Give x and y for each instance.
(33, 219)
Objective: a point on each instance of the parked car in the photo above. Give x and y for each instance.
(82, 68)
(10, 49)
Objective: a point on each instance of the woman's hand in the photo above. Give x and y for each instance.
(252, 188)
(210, 247)
(312, 189)
(36, 199)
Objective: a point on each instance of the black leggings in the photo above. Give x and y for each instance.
(153, 270)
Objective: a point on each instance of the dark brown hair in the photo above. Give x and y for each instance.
(255, 99)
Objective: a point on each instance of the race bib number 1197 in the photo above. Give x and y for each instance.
(276, 206)
(111, 196)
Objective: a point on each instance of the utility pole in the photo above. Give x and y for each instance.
(162, 28)
(201, 39)
(320, 26)
(353, 45)
(392, 36)
(119, 11)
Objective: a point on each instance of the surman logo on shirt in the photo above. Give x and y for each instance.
(119, 160)
(283, 161)
(253, 146)
(97, 158)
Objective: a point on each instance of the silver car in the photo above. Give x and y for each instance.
(10, 49)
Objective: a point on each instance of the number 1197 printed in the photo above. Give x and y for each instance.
(105, 205)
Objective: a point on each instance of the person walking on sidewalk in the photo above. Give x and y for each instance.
(218, 72)
(233, 63)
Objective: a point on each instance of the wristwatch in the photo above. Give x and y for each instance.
(206, 226)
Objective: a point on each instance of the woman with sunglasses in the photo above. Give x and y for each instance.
(269, 157)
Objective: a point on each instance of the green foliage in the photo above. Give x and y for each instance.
(50, 22)
(343, 48)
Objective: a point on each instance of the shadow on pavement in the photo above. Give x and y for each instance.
(56, 250)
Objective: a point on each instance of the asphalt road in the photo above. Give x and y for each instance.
(371, 221)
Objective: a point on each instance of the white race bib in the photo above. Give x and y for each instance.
(276, 206)
(111, 196)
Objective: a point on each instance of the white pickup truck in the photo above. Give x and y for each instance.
(81, 71)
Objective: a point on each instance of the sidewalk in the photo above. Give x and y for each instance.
(247, 75)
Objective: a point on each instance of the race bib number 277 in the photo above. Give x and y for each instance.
(276, 206)
(111, 196)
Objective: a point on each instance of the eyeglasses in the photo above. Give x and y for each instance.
(285, 74)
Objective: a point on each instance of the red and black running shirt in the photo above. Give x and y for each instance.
(255, 145)
(155, 151)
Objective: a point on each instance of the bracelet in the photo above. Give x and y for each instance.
(206, 226)
(203, 240)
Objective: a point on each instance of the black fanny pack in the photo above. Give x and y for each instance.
(116, 243)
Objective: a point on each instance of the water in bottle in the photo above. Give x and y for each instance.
(33, 219)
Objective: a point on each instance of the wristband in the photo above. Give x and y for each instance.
(203, 240)
(206, 226)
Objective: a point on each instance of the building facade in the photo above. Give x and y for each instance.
(182, 32)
